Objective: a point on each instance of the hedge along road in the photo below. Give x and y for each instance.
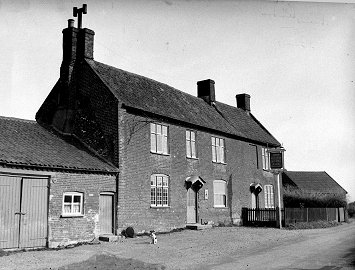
(323, 249)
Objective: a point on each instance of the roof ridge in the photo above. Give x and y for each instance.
(17, 119)
(307, 171)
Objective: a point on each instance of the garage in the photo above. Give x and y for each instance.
(23, 211)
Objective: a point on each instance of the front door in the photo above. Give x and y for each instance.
(106, 213)
(191, 206)
(23, 212)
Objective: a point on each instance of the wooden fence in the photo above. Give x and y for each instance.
(294, 215)
(260, 217)
(269, 217)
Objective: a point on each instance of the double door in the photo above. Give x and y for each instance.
(23, 211)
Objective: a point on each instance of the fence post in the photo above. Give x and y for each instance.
(307, 214)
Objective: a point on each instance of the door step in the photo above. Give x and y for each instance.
(108, 238)
(198, 226)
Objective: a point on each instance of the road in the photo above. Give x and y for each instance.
(217, 248)
(330, 249)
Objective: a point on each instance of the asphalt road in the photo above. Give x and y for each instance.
(330, 249)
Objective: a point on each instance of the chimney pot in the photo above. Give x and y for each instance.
(206, 91)
(243, 102)
(70, 23)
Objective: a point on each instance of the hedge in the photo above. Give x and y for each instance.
(294, 197)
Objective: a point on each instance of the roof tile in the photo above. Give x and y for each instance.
(160, 99)
(25, 142)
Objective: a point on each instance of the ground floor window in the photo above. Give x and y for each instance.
(220, 193)
(159, 190)
(269, 196)
(72, 204)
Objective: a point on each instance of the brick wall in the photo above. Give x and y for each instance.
(137, 164)
(66, 230)
(89, 111)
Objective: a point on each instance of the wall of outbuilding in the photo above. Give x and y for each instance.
(67, 230)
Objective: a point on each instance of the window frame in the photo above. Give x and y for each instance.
(218, 194)
(269, 196)
(159, 141)
(191, 147)
(72, 203)
(218, 150)
(265, 158)
(164, 190)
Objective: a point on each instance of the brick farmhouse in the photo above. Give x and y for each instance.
(118, 149)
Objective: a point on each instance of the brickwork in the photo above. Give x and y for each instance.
(137, 164)
(66, 230)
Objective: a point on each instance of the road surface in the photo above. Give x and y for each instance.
(329, 249)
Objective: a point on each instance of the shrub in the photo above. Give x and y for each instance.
(351, 209)
(312, 225)
(295, 198)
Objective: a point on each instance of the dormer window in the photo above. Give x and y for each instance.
(159, 139)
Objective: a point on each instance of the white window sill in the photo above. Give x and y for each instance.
(155, 207)
(193, 158)
(220, 206)
(162, 154)
(216, 162)
(71, 215)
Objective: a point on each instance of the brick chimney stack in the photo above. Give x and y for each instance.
(205, 90)
(243, 102)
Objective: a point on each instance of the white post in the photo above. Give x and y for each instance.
(277, 175)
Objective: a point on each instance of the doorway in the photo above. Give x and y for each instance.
(191, 206)
(106, 213)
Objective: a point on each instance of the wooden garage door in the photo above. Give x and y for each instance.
(9, 205)
(23, 212)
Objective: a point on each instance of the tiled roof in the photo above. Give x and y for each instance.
(26, 143)
(312, 181)
(145, 94)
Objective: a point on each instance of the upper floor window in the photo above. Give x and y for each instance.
(255, 156)
(265, 158)
(220, 193)
(269, 196)
(159, 139)
(190, 144)
(159, 190)
(217, 150)
(72, 204)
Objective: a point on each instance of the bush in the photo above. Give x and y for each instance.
(351, 209)
(295, 198)
(312, 225)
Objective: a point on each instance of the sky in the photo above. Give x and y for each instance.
(296, 60)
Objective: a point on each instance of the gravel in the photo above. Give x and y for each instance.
(186, 249)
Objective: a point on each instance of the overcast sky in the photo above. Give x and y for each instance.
(295, 59)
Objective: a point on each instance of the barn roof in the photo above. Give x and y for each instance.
(154, 97)
(26, 143)
(312, 181)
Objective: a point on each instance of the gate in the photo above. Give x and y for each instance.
(23, 212)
